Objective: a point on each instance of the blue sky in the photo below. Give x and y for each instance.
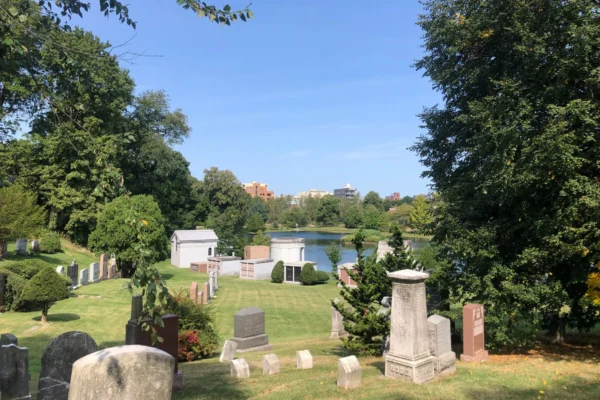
(310, 94)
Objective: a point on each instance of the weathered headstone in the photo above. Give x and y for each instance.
(8, 338)
(57, 363)
(94, 272)
(133, 330)
(440, 346)
(212, 284)
(22, 246)
(125, 372)
(473, 334)
(112, 267)
(240, 369)
(169, 333)
(409, 357)
(14, 372)
(228, 352)
(84, 277)
(270, 364)
(73, 272)
(103, 267)
(216, 280)
(194, 292)
(205, 293)
(348, 372)
(2, 293)
(35, 246)
(249, 330)
(304, 359)
(337, 324)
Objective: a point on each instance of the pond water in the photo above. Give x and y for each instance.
(317, 241)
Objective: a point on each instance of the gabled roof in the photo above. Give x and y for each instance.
(195, 235)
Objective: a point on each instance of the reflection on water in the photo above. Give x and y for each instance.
(317, 241)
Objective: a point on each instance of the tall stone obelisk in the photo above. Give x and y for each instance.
(409, 357)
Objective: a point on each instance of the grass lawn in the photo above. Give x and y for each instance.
(299, 318)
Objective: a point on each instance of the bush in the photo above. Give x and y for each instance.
(277, 273)
(308, 275)
(43, 290)
(27, 268)
(50, 243)
(322, 276)
(14, 287)
(194, 345)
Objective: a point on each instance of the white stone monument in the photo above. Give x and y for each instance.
(270, 364)
(84, 277)
(304, 359)
(94, 272)
(409, 357)
(228, 352)
(348, 372)
(240, 369)
(337, 324)
(21, 246)
(440, 346)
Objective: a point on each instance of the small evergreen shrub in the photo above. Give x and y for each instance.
(14, 287)
(27, 268)
(50, 243)
(322, 277)
(308, 275)
(43, 290)
(277, 273)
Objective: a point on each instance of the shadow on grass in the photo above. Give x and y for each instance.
(167, 276)
(48, 258)
(577, 388)
(380, 365)
(209, 380)
(61, 317)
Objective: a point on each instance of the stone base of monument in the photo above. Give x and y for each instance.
(338, 334)
(419, 371)
(251, 342)
(178, 380)
(266, 347)
(480, 356)
(445, 364)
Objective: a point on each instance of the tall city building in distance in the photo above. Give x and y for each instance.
(347, 192)
(256, 189)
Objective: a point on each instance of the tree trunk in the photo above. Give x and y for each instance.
(3, 247)
(557, 331)
(44, 314)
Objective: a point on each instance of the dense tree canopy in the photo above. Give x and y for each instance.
(373, 198)
(20, 216)
(514, 154)
(328, 213)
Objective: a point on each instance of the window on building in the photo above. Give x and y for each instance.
(289, 274)
(297, 271)
(210, 251)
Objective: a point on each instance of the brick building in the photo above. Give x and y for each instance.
(394, 196)
(256, 189)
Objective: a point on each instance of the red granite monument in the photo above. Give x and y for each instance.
(473, 334)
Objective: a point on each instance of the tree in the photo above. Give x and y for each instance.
(420, 215)
(260, 239)
(354, 217)
(328, 213)
(277, 208)
(401, 215)
(407, 200)
(366, 327)
(114, 233)
(513, 154)
(259, 206)
(255, 223)
(334, 255)
(308, 275)
(373, 198)
(295, 217)
(20, 216)
(372, 217)
(43, 290)
(311, 206)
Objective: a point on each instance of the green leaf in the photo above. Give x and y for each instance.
(201, 13)
(13, 11)
(8, 41)
(227, 8)
(243, 17)
(234, 17)
(22, 17)
(250, 14)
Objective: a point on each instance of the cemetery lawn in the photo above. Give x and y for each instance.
(299, 318)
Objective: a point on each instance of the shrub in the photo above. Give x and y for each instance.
(277, 273)
(14, 287)
(43, 290)
(308, 275)
(194, 345)
(322, 276)
(50, 243)
(27, 268)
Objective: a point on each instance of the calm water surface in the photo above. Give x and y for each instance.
(317, 241)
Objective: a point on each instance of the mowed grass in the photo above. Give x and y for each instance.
(299, 318)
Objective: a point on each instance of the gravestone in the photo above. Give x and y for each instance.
(348, 372)
(73, 272)
(124, 372)
(240, 369)
(35, 246)
(249, 330)
(473, 334)
(133, 330)
(22, 246)
(216, 280)
(270, 364)
(385, 310)
(84, 277)
(205, 293)
(60, 269)
(304, 359)
(8, 338)
(14, 372)
(57, 363)
(337, 324)
(170, 344)
(228, 352)
(212, 284)
(194, 292)
(440, 346)
(2, 293)
(112, 267)
(94, 272)
(409, 357)
(103, 267)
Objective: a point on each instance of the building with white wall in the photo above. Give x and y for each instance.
(287, 249)
(192, 246)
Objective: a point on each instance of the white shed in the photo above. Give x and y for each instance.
(192, 246)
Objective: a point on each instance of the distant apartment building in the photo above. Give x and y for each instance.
(256, 189)
(347, 192)
(314, 193)
(393, 197)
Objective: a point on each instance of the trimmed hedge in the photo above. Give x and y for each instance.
(14, 287)
(322, 277)
(277, 273)
(43, 290)
(26, 268)
(50, 243)
(308, 275)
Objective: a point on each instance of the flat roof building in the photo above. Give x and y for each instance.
(256, 189)
(347, 192)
